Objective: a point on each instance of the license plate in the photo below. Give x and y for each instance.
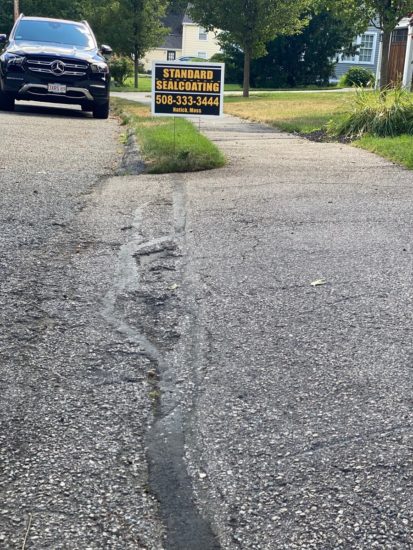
(56, 88)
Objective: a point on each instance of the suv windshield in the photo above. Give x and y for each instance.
(54, 31)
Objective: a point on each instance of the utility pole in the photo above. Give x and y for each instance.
(16, 9)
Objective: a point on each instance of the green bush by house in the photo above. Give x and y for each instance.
(358, 76)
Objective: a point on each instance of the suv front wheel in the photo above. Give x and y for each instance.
(6, 101)
(101, 110)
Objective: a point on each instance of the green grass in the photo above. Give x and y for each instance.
(168, 144)
(381, 114)
(397, 149)
(144, 85)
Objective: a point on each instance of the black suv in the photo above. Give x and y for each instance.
(54, 60)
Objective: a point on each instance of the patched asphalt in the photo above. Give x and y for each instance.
(161, 339)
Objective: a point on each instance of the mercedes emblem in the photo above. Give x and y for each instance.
(58, 67)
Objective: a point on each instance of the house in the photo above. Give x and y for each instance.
(186, 39)
(369, 54)
(401, 53)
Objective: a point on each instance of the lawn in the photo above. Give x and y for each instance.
(168, 144)
(290, 111)
(397, 149)
(306, 113)
(144, 84)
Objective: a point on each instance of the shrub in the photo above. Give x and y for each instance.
(121, 68)
(358, 76)
(385, 114)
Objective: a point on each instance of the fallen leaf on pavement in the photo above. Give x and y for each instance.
(319, 282)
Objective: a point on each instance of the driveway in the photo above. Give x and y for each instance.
(288, 390)
(302, 419)
(210, 360)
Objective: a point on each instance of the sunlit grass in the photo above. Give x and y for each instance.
(293, 112)
(144, 84)
(383, 114)
(397, 149)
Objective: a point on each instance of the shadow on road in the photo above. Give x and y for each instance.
(48, 109)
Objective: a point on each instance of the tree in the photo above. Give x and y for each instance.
(131, 27)
(386, 15)
(303, 59)
(62, 9)
(6, 16)
(250, 24)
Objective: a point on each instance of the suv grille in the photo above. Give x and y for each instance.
(57, 67)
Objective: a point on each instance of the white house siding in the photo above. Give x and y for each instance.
(342, 67)
(193, 46)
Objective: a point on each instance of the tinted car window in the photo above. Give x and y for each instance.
(54, 31)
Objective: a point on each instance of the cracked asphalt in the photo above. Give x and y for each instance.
(169, 376)
(74, 388)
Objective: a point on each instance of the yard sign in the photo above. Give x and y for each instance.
(187, 89)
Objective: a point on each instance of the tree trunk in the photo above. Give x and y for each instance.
(385, 54)
(136, 62)
(16, 9)
(247, 72)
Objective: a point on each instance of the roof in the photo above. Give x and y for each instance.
(187, 19)
(173, 40)
(174, 21)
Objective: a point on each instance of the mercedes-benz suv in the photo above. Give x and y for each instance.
(54, 60)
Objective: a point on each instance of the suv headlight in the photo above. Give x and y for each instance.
(100, 68)
(12, 59)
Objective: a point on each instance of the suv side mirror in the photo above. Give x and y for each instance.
(3, 38)
(106, 50)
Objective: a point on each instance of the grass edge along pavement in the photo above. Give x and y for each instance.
(309, 115)
(145, 85)
(167, 144)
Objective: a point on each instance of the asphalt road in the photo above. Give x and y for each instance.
(74, 402)
(170, 377)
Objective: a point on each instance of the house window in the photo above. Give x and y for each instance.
(202, 35)
(171, 55)
(366, 47)
(203, 55)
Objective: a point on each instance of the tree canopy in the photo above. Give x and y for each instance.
(251, 24)
(307, 58)
(131, 27)
(134, 26)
